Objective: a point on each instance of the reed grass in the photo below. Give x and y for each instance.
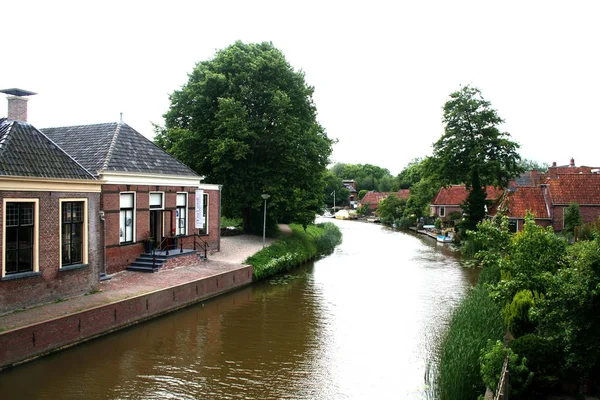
(475, 321)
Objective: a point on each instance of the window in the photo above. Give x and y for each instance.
(19, 237)
(442, 211)
(72, 232)
(156, 201)
(181, 214)
(204, 230)
(513, 225)
(127, 223)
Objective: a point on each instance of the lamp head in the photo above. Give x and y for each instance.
(265, 196)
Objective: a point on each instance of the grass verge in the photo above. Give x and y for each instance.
(295, 249)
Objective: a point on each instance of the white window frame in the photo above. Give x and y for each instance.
(36, 230)
(206, 202)
(134, 225)
(442, 211)
(178, 229)
(85, 247)
(162, 202)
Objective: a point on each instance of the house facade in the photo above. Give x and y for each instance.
(373, 198)
(51, 235)
(451, 198)
(146, 195)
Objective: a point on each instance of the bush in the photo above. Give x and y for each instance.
(404, 222)
(295, 249)
(516, 314)
(437, 223)
(492, 361)
(543, 359)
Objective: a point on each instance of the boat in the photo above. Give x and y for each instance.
(444, 239)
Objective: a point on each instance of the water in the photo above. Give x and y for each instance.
(362, 323)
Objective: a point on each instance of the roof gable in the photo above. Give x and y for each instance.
(116, 147)
(517, 201)
(373, 197)
(25, 151)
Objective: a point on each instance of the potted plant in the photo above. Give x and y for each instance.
(148, 243)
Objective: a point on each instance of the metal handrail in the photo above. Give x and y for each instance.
(164, 244)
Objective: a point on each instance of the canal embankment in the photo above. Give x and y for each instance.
(125, 300)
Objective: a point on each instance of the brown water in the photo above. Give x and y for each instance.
(362, 323)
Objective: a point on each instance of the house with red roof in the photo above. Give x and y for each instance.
(372, 198)
(548, 201)
(451, 198)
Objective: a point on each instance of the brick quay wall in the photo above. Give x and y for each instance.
(26, 343)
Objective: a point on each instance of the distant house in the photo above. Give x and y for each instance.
(353, 196)
(550, 194)
(146, 193)
(451, 198)
(51, 230)
(373, 198)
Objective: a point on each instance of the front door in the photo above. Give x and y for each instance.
(156, 227)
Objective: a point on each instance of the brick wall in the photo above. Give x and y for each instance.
(119, 256)
(53, 283)
(26, 343)
(588, 214)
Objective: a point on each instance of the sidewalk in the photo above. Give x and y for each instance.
(127, 284)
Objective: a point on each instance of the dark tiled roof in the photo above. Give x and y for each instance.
(116, 147)
(25, 151)
(457, 194)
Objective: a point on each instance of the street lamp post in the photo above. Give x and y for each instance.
(265, 197)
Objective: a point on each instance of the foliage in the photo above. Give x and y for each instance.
(516, 314)
(405, 222)
(572, 217)
(391, 208)
(489, 242)
(363, 209)
(333, 182)
(437, 223)
(543, 359)
(492, 361)
(247, 120)
(367, 176)
(411, 174)
(472, 150)
(475, 321)
(533, 255)
(532, 165)
(235, 222)
(295, 249)
(386, 184)
(361, 193)
(421, 193)
(569, 310)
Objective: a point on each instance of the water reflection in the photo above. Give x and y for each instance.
(361, 323)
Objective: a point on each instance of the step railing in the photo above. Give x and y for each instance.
(168, 244)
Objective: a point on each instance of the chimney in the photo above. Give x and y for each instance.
(554, 163)
(572, 163)
(17, 103)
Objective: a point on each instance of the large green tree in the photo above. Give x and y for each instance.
(473, 150)
(246, 119)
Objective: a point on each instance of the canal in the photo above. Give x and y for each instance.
(361, 323)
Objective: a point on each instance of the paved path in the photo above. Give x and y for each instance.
(234, 251)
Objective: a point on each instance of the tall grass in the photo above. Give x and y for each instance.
(474, 321)
(295, 249)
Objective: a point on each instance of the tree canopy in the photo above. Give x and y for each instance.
(246, 119)
(472, 149)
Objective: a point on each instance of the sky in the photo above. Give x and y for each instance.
(382, 70)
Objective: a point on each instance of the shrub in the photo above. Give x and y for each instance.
(492, 362)
(543, 359)
(437, 223)
(516, 314)
(404, 222)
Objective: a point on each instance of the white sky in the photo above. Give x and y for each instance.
(382, 70)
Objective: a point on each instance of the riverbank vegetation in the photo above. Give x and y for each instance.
(290, 251)
(545, 292)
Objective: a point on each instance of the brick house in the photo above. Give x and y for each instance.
(450, 199)
(350, 184)
(51, 232)
(146, 193)
(373, 198)
(516, 201)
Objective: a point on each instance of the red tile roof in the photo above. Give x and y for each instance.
(519, 200)
(403, 193)
(373, 197)
(457, 194)
(580, 188)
